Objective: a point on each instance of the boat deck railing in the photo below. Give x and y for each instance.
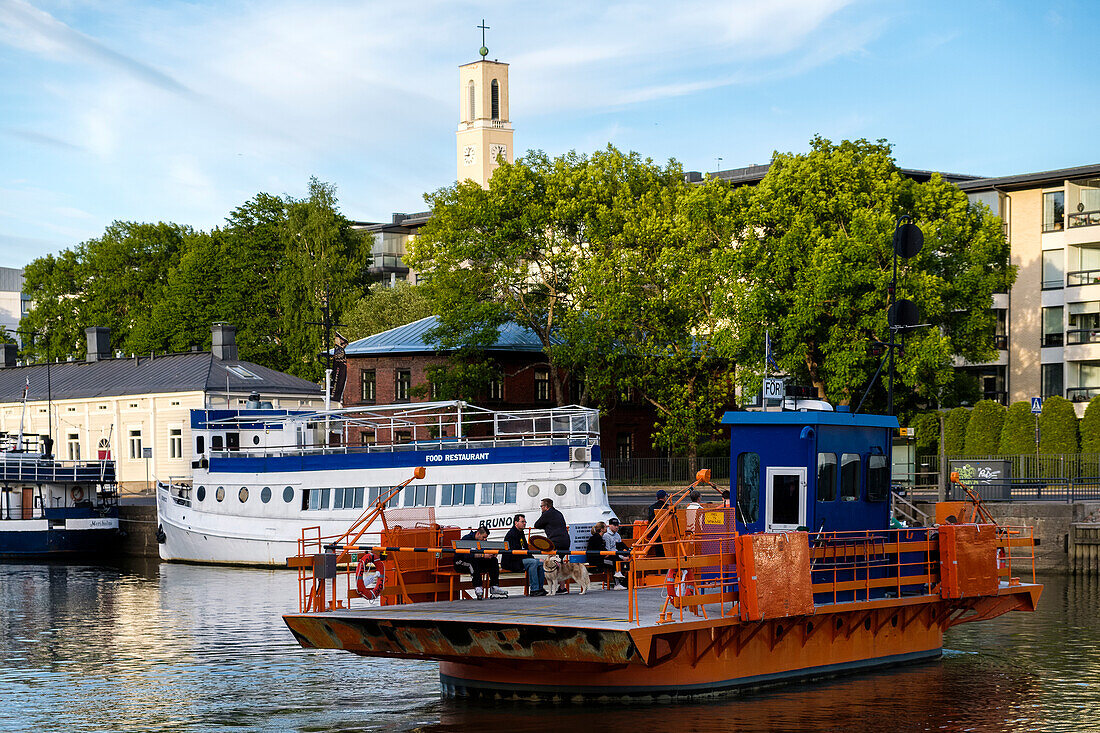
(31, 468)
(440, 444)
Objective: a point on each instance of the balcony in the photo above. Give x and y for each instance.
(1000, 341)
(1082, 336)
(1081, 394)
(1052, 339)
(1084, 219)
(1078, 278)
(383, 263)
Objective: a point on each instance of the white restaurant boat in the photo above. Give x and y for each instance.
(260, 476)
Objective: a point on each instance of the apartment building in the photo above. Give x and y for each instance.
(1049, 324)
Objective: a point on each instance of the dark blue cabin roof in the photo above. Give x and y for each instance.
(810, 417)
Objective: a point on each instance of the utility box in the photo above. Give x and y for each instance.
(324, 566)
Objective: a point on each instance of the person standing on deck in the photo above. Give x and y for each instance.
(516, 540)
(651, 514)
(553, 523)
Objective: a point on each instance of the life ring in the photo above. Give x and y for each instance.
(676, 589)
(375, 590)
(77, 493)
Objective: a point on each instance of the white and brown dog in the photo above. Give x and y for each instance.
(559, 571)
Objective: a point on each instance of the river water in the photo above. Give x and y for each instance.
(159, 647)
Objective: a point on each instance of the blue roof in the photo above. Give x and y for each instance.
(810, 417)
(410, 339)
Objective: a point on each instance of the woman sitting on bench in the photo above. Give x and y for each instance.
(476, 563)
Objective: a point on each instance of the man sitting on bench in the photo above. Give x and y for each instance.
(476, 563)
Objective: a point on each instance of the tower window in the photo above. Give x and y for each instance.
(496, 99)
(470, 118)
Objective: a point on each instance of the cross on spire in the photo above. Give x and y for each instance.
(483, 50)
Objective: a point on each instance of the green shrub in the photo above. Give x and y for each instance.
(1057, 426)
(954, 431)
(927, 426)
(983, 432)
(1018, 433)
(1090, 427)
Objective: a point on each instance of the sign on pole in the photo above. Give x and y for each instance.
(773, 389)
(1036, 405)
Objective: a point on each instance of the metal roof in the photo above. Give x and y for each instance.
(753, 174)
(1032, 180)
(409, 339)
(186, 372)
(810, 417)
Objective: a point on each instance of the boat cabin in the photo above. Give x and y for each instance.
(814, 470)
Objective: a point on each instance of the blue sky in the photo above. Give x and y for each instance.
(180, 111)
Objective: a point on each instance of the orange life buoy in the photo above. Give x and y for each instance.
(77, 493)
(373, 591)
(674, 588)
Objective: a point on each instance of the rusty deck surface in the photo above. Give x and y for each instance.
(597, 609)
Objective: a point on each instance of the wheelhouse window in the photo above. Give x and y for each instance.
(878, 478)
(849, 476)
(402, 384)
(748, 487)
(826, 476)
(367, 385)
(420, 495)
(498, 493)
(457, 494)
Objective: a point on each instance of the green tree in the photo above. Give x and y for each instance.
(954, 431)
(1090, 427)
(1057, 426)
(983, 431)
(1018, 433)
(113, 281)
(382, 308)
(814, 259)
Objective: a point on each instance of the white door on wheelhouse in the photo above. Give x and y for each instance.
(786, 497)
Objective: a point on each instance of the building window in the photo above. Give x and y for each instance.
(542, 385)
(1052, 384)
(498, 493)
(74, 446)
(366, 385)
(366, 437)
(1084, 327)
(1052, 326)
(402, 383)
(1084, 205)
(402, 436)
(437, 390)
(495, 89)
(624, 446)
(849, 476)
(457, 494)
(496, 387)
(826, 476)
(1000, 334)
(175, 442)
(1054, 211)
(1053, 269)
(135, 444)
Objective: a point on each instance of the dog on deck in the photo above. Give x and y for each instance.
(560, 571)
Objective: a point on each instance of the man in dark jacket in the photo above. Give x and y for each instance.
(651, 514)
(553, 523)
(517, 540)
(476, 564)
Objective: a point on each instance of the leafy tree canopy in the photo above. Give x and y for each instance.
(382, 308)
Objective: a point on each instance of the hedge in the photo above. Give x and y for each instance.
(954, 431)
(1090, 427)
(927, 427)
(983, 432)
(1057, 426)
(1018, 433)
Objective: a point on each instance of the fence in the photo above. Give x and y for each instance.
(1058, 477)
(672, 471)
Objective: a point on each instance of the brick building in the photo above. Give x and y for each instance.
(386, 368)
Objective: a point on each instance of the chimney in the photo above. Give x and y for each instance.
(224, 341)
(99, 342)
(9, 353)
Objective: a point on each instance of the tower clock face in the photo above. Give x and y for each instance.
(469, 155)
(498, 150)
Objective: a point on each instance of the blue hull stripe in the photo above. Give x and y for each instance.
(459, 686)
(398, 459)
(89, 542)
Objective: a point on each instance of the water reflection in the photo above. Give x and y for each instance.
(176, 647)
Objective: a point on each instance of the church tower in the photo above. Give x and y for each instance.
(484, 130)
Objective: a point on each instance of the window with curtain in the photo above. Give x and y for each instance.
(1054, 211)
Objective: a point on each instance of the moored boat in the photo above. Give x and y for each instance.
(800, 578)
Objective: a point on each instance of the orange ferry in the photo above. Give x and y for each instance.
(801, 578)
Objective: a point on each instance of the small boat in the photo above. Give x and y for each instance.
(55, 509)
(801, 578)
(261, 475)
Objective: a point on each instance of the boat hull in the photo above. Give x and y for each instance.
(44, 542)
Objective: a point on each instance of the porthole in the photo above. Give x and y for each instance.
(220, 493)
(255, 440)
(201, 493)
(560, 489)
(265, 494)
(243, 494)
(585, 487)
(288, 494)
(532, 490)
